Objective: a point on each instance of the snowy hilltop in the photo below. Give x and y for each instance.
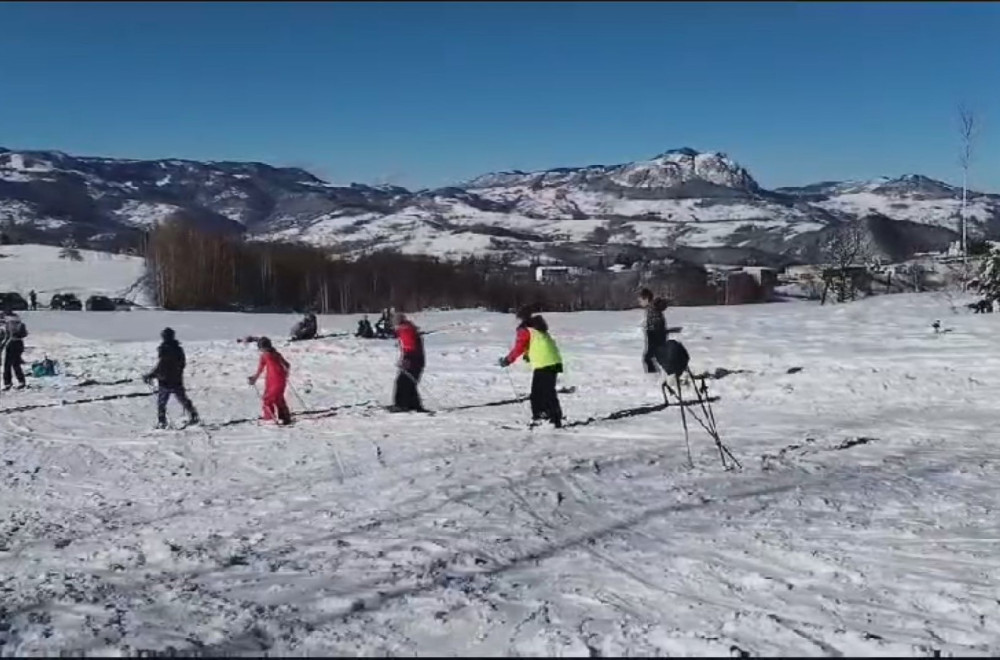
(679, 200)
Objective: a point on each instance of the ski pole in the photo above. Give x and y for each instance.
(297, 397)
(513, 388)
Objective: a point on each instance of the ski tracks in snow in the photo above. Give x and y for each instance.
(862, 523)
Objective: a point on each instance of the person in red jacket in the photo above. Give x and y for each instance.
(405, 397)
(276, 378)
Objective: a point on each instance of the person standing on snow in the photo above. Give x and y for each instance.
(169, 372)
(12, 334)
(405, 397)
(654, 330)
(540, 350)
(33, 298)
(276, 379)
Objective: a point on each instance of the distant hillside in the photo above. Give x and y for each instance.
(682, 199)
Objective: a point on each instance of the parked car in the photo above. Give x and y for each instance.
(123, 305)
(66, 302)
(100, 304)
(13, 301)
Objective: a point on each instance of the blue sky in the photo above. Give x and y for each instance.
(424, 94)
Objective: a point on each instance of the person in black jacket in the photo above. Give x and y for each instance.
(305, 329)
(655, 331)
(169, 372)
(12, 334)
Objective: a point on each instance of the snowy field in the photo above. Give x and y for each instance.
(864, 520)
(38, 267)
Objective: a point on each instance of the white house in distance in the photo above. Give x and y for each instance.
(557, 273)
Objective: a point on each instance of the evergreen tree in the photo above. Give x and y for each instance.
(989, 276)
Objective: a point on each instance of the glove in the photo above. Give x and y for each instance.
(148, 379)
(252, 380)
(504, 362)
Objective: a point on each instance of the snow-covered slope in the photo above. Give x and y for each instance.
(680, 198)
(38, 267)
(863, 523)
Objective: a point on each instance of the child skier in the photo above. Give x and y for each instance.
(540, 350)
(169, 372)
(275, 381)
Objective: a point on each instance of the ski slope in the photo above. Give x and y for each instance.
(38, 267)
(864, 521)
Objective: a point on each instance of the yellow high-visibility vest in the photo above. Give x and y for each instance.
(542, 350)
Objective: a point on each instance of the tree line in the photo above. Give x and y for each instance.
(190, 269)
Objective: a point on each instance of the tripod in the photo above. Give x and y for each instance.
(706, 420)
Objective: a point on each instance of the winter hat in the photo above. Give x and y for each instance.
(264, 344)
(168, 334)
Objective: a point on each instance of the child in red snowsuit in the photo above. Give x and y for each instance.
(272, 362)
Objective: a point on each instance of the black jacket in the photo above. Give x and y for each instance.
(169, 370)
(655, 328)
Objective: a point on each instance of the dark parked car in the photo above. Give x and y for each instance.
(13, 301)
(123, 305)
(66, 302)
(100, 304)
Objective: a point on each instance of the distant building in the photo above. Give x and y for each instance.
(551, 274)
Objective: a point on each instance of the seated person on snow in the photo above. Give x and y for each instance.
(305, 329)
(365, 330)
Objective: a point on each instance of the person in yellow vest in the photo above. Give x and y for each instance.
(540, 350)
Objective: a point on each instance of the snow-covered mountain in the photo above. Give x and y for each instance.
(679, 200)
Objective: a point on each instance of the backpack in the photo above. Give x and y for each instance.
(46, 367)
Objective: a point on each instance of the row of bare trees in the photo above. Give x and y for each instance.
(191, 269)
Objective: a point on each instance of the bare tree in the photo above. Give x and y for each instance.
(968, 129)
(848, 253)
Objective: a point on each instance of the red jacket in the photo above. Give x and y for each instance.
(276, 367)
(410, 342)
(521, 343)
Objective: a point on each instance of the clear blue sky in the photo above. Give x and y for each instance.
(427, 94)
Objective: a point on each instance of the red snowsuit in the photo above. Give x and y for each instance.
(274, 385)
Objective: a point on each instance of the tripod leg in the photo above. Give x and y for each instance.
(687, 439)
(706, 406)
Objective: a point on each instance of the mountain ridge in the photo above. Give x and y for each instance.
(679, 198)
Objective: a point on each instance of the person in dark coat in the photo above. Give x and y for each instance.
(12, 334)
(307, 328)
(169, 372)
(365, 330)
(33, 298)
(405, 396)
(655, 332)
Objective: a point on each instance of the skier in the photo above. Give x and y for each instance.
(655, 331)
(405, 396)
(276, 367)
(305, 329)
(169, 371)
(540, 350)
(33, 299)
(12, 334)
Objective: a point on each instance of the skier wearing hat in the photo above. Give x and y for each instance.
(534, 342)
(169, 372)
(275, 367)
